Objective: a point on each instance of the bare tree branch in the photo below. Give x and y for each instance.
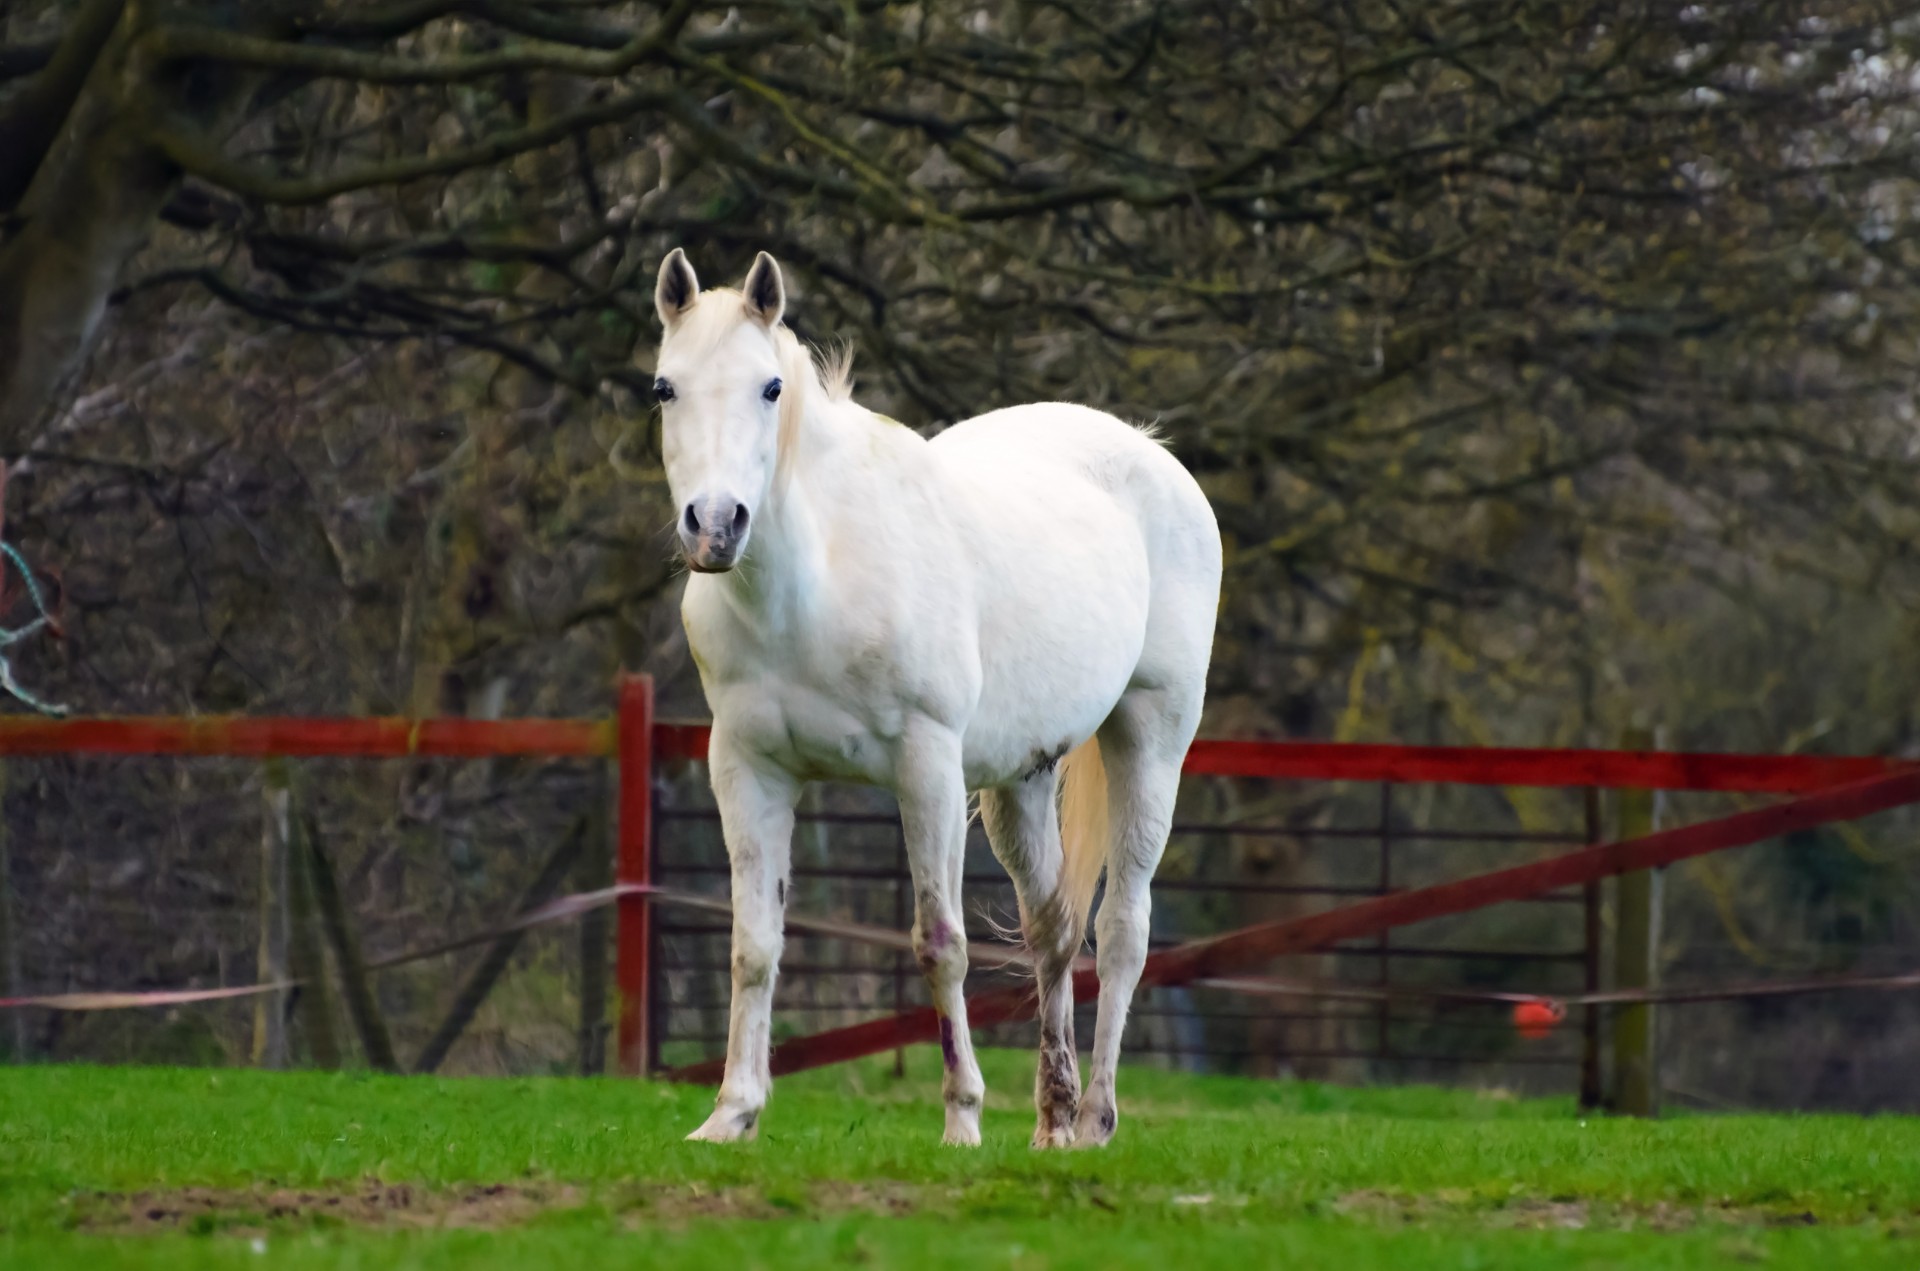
(32, 118)
(18, 60)
(173, 43)
(196, 157)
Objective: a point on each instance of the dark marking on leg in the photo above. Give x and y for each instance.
(1059, 1083)
(1108, 1119)
(781, 888)
(933, 946)
(947, 1051)
(1057, 1090)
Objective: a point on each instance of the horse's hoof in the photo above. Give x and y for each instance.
(1056, 1135)
(1095, 1125)
(963, 1126)
(728, 1125)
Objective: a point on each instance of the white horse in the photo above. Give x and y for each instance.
(1022, 604)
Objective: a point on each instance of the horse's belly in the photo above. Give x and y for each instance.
(1032, 714)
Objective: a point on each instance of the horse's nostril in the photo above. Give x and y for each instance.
(693, 521)
(739, 518)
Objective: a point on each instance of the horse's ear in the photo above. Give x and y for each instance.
(677, 289)
(766, 294)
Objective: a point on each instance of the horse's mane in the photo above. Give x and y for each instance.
(828, 372)
(834, 366)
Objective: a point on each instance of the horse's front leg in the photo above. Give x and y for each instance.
(756, 816)
(933, 813)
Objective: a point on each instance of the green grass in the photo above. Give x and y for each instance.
(848, 1171)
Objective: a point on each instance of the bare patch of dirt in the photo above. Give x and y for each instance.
(402, 1205)
(1561, 1213)
(372, 1204)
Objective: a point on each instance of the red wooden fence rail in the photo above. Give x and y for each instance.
(242, 737)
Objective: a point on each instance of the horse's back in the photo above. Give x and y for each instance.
(1051, 447)
(1054, 441)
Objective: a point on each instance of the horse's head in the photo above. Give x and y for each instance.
(719, 383)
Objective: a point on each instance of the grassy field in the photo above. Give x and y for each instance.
(106, 1168)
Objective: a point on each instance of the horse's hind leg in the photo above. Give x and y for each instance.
(1024, 828)
(1142, 743)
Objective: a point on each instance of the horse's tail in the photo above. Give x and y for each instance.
(1083, 838)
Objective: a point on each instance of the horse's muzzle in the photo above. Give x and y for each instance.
(711, 558)
(712, 532)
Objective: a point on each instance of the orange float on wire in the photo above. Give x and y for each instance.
(1537, 1018)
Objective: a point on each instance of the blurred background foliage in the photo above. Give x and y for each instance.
(1550, 365)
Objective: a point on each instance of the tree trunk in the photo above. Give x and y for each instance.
(493, 964)
(81, 186)
(313, 1000)
(336, 924)
(89, 207)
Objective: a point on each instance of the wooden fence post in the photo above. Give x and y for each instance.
(270, 964)
(1635, 1080)
(595, 871)
(633, 972)
(1384, 942)
(1592, 1084)
(9, 933)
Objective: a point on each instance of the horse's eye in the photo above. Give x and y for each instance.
(663, 390)
(771, 393)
